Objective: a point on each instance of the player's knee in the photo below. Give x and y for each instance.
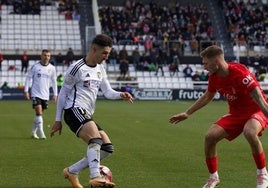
(108, 147)
(210, 138)
(249, 134)
(95, 141)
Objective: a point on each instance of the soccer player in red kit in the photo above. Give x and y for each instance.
(248, 112)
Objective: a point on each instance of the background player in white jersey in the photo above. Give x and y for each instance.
(39, 78)
(77, 98)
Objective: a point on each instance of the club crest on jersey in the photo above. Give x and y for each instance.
(99, 75)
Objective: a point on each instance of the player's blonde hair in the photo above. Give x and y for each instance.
(211, 52)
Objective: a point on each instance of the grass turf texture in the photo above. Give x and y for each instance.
(149, 152)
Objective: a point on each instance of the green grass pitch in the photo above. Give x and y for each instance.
(149, 152)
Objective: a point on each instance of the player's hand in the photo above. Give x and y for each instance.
(127, 96)
(178, 117)
(54, 99)
(27, 95)
(56, 127)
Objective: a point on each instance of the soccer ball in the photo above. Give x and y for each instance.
(106, 173)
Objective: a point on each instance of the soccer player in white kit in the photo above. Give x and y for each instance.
(39, 78)
(77, 98)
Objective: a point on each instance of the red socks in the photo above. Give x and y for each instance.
(259, 160)
(212, 164)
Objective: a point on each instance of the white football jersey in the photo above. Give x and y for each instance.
(84, 83)
(41, 77)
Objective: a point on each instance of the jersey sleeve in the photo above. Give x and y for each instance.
(108, 91)
(106, 88)
(54, 82)
(70, 78)
(246, 79)
(28, 79)
(60, 102)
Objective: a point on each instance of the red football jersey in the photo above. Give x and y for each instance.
(235, 88)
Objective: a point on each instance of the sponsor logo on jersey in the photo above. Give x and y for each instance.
(95, 84)
(248, 80)
(229, 97)
(86, 83)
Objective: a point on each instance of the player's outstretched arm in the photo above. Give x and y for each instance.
(110, 93)
(56, 127)
(201, 102)
(258, 97)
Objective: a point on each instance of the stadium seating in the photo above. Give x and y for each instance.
(146, 79)
(35, 32)
(149, 80)
(32, 33)
(51, 30)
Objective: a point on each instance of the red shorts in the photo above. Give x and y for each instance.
(234, 124)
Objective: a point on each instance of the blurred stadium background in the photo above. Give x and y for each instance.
(176, 30)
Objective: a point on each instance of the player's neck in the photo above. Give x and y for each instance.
(44, 63)
(223, 70)
(90, 62)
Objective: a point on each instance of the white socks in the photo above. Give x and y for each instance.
(38, 126)
(215, 175)
(78, 166)
(262, 171)
(83, 163)
(93, 156)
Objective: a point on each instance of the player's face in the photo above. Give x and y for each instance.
(45, 57)
(210, 64)
(102, 54)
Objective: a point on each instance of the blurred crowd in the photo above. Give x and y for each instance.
(247, 22)
(189, 24)
(150, 23)
(153, 26)
(69, 8)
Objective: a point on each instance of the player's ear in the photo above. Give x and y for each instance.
(94, 48)
(217, 60)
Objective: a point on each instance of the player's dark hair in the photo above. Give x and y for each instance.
(211, 52)
(103, 40)
(45, 51)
